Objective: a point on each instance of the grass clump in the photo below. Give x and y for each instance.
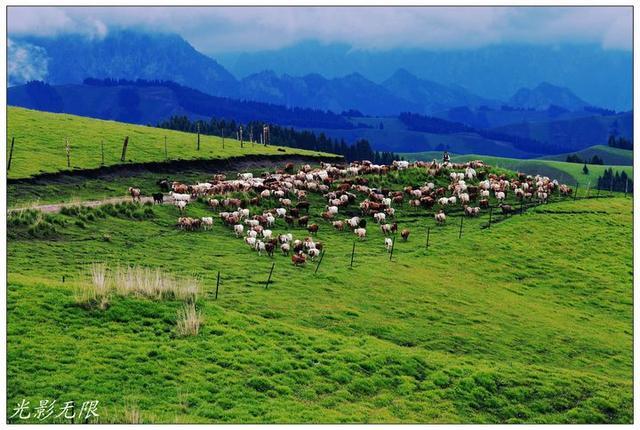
(96, 293)
(34, 224)
(154, 284)
(189, 320)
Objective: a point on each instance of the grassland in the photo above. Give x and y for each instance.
(40, 142)
(528, 321)
(570, 173)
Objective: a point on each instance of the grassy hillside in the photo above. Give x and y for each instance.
(398, 140)
(609, 155)
(492, 327)
(40, 143)
(561, 170)
(574, 133)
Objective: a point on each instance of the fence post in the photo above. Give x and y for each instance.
(598, 193)
(575, 195)
(626, 187)
(270, 273)
(393, 245)
(353, 251)
(102, 152)
(217, 284)
(124, 149)
(588, 188)
(68, 150)
(198, 124)
(13, 139)
(428, 232)
(319, 261)
(222, 137)
(461, 220)
(166, 154)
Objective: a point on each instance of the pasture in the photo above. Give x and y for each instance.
(41, 139)
(527, 321)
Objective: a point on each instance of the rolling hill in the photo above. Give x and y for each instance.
(150, 102)
(609, 155)
(570, 173)
(40, 141)
(488, 117)
(574, 134)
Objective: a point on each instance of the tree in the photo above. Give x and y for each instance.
(585, 169)
(574, 158)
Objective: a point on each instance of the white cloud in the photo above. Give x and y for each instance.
(26, 62)
(218, 29)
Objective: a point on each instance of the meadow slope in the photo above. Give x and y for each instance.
(40, 142)
(571, 173)
(528, 321)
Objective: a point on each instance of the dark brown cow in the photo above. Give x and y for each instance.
(405, 234)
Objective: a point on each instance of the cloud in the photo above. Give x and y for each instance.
(220, 29)
(26, 62)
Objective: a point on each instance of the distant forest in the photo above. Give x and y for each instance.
(428, 124)
(281, 136)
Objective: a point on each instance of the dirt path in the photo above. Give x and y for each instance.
(57, 207)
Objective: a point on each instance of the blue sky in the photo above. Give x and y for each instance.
(224, 29)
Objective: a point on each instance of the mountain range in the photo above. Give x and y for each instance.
(69, 59)
(603, 77)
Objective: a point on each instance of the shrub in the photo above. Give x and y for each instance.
(70, 210)
(25, 217)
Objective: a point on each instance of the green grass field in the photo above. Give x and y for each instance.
(528, 321)
(560, 170)
(40, 142)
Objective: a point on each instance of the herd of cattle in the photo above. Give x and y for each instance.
(286, 193)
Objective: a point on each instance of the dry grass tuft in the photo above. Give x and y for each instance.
(134, 281)
(189, 320)
(132, 415)
(154, 284)
(96, 293)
